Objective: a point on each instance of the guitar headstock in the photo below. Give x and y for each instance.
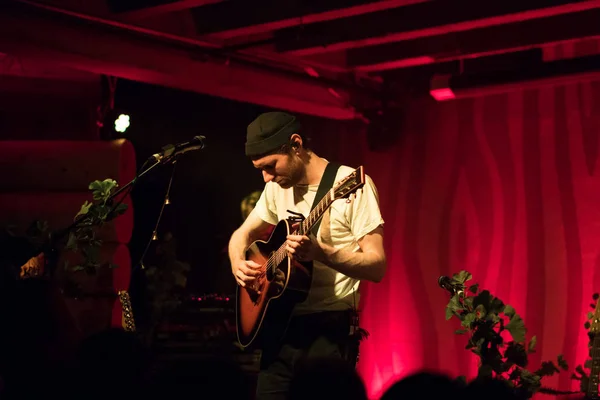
(349, 184)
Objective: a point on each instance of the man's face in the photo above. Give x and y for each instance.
(286, 170)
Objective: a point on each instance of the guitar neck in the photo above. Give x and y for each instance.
(316, 213)
(342, 189)
(305, 226)
(592, 392)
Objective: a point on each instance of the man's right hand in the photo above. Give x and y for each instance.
(245, 272)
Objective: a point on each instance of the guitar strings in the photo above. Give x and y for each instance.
(271, 264)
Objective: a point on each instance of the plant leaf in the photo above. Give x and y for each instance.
(480, 311)
(531, 346)
(474, 288)
(71, 242)
(468, 319)
(547, 369)
(530, 377)
(483, 298)
(496, 305)
(516, 327)
(485, 371)
(120, 208)
(449, 312)
(509, 311)
(515, 353)
(85, 208)
(462, 277)
(453, 306)
(562, 363)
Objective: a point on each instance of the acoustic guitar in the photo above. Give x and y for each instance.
(267, 305)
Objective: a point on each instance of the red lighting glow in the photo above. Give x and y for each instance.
(442, 94)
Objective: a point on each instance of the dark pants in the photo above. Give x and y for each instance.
(325, 334)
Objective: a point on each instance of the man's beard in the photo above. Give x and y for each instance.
(295, 176)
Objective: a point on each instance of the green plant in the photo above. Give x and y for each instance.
(487, 321)
(580, 373)
(91, 217)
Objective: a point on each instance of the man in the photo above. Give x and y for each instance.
(348, 248)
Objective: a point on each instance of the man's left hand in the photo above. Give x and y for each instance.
(303, 247)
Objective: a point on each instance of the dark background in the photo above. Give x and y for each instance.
(208, 185)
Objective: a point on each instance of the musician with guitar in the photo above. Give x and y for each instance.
(298, 290)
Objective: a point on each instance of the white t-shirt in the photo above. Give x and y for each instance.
(348, 223)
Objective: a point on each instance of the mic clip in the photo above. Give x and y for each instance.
(165, 153)
(170, 151)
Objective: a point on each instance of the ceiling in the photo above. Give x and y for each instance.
(329, 58)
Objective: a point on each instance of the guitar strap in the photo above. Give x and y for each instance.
(326, 183)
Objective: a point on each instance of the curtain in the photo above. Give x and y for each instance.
(506, 187)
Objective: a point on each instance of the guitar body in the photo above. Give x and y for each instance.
(268, 313)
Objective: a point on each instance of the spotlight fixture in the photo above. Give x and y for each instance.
(122, 123)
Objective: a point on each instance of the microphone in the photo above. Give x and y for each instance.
(446, 283)
(197, 143)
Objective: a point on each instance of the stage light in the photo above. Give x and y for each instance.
(122, 123)
(113, 123)
(440, 88)
(442, 94)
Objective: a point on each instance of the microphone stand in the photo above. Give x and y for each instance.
(61, 234)
(47, 253)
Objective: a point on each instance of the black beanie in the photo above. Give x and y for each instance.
(269, 131)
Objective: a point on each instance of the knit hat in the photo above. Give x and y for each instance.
(269, 131)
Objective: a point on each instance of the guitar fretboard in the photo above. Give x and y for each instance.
(305, 226)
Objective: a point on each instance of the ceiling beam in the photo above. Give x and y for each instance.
(580, 69)
(242, 17)
(159, 9)
(64, 40)
(418, 21)
(476, 43)
(15, 66)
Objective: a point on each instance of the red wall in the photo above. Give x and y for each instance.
(506, 187)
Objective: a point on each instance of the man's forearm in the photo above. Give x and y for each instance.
(238, 243)
(368, 266)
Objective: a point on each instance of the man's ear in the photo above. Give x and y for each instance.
(296, 141)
